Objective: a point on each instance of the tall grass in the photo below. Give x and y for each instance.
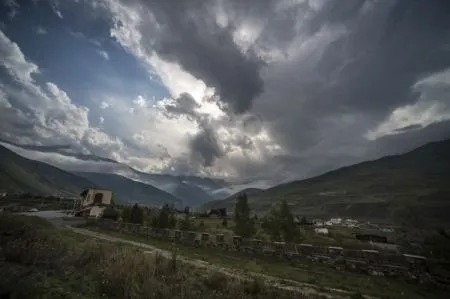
(39, 261)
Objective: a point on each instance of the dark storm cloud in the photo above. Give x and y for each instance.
(387, 49)
(184, 105)
(204, 146)
(190, 36)
(345, 66)
(319, 105)
(363, 73)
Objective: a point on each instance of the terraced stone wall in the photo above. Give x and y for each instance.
(372, 262)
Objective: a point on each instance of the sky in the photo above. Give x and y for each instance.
(256, 90)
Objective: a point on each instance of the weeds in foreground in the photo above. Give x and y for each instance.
(39, 261)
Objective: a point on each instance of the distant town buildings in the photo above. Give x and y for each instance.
(318, 222)
(321, 230)
(335, 221)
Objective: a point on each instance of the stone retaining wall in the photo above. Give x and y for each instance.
(372, 262)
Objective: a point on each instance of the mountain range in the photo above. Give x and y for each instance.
(192, 190)
(414, 183)
(131, 191)
(19, 174)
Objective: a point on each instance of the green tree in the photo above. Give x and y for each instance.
(271, 224)
(224, 222)
(186, 223)
(137, 215)
(279, 224)
(154, 221)
(187, 210)
(303, 221)
(110, 213)
(244, 225)
(172, 220)
(126, 214)
(288, 228)
(163, 217)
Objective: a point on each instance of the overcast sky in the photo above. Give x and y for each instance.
(244, 90)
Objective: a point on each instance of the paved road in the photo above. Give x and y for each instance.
(57, 218)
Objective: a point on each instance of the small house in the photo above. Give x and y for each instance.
(92, 202)
(96, 197)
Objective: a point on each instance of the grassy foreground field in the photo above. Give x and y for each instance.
(304, 272)
(40, 261)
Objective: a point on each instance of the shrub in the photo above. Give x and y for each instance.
(111, 213)
(48, 263)
(216, 281)
(225, 223)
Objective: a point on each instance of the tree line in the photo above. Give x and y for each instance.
(279, 223)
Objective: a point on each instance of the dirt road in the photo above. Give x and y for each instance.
(289, 285)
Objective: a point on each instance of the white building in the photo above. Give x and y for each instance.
(92, 202)
(96, 211)
(335, 221)
(95, 197)
(350, 222)
(321, 230)
(318, 222)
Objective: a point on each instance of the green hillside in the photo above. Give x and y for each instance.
(126, 190)
(414, 183)
(18, 174)
(223, 202)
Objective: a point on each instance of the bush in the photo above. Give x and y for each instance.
(39, 261)
(224, 223)
(111, 213)
(357, 295)
(255, 287)
(134, 214)
(216, 281)
(186, 223)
